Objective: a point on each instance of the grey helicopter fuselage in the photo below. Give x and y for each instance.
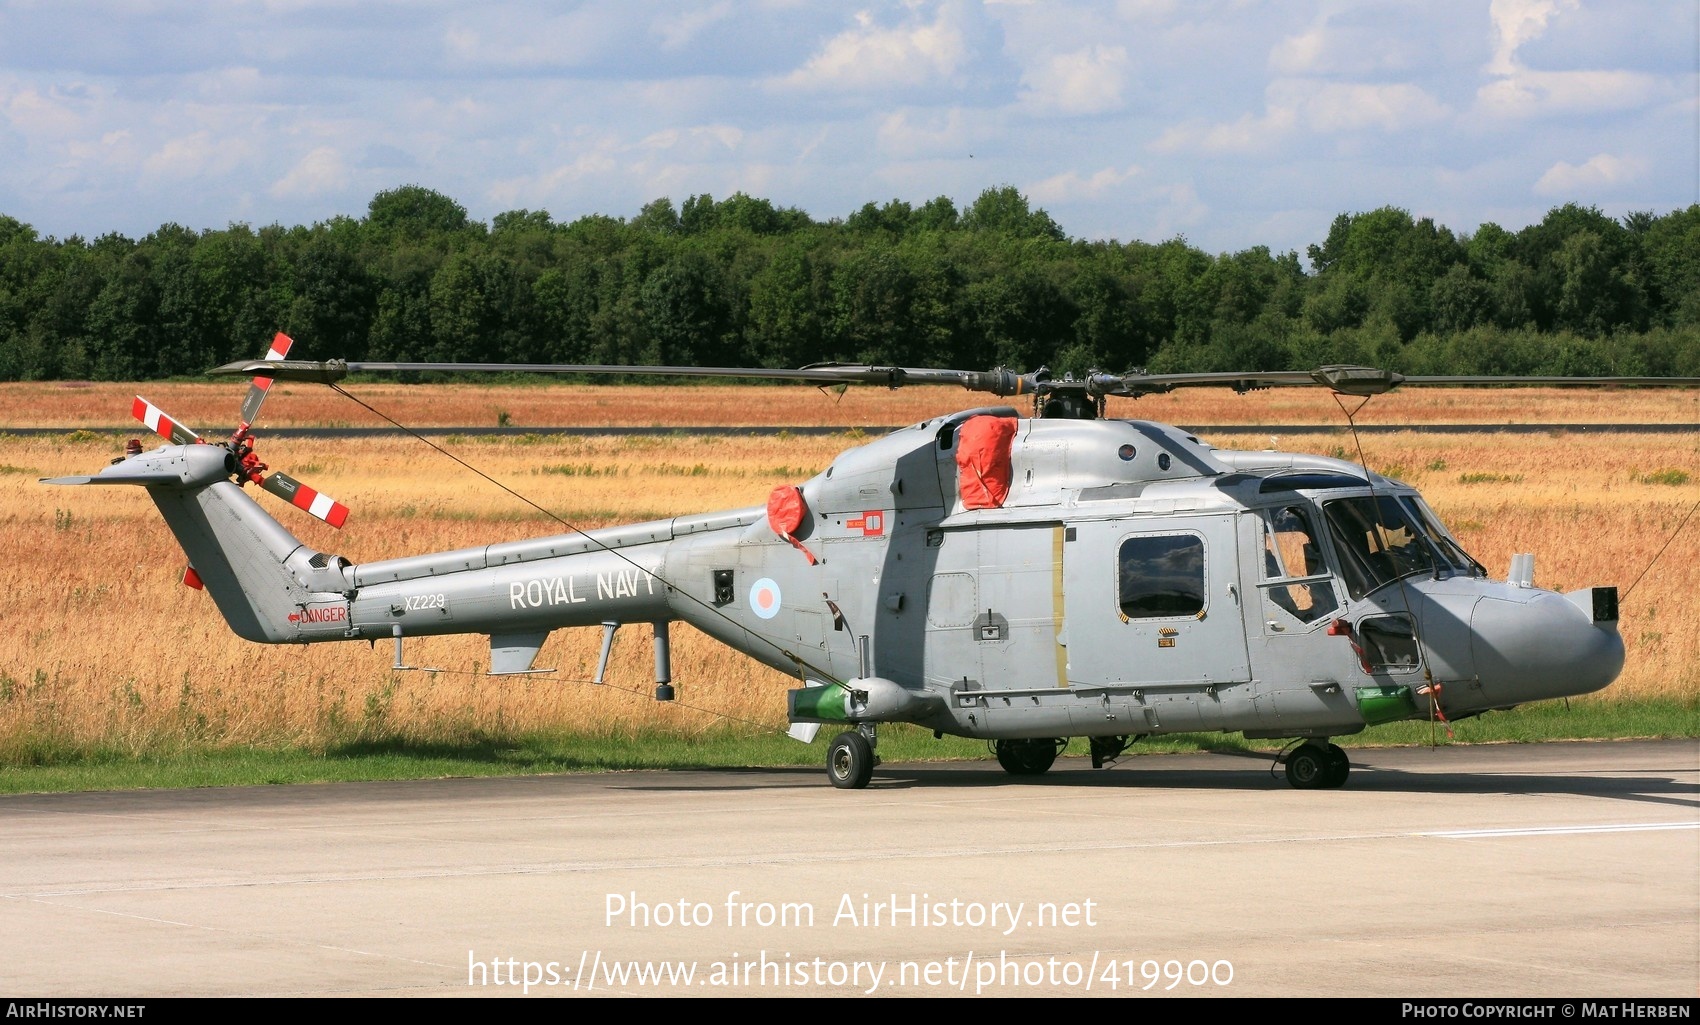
(1133, 580)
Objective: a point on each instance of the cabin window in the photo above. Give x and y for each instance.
(1161, 576)
(1292, 557)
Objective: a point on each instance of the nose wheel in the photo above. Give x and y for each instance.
(1317, 767)
(850, 760)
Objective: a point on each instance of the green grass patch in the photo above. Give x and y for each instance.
(55, 769)
(1672, 477)
(1550, 720)
(788, 472)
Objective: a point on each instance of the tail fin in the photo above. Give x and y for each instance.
(262, 578)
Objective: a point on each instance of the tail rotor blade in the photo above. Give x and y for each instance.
(257, 390)
(162, 425)
(306, 499)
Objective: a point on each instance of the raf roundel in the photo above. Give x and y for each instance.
(764, 598)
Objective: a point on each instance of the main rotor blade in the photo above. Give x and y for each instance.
(1347, 380)
(306, 499)
(161, 424)
(998, 382)
(1557, 382)
(1355, 380)
(257, 391)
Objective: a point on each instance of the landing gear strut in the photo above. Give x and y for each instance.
(1106, 750)
(1317, 766)
(850, 758)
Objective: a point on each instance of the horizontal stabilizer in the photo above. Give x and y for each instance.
(141, 475)
(172, 466)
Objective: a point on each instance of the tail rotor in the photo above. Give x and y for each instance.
(247, 467)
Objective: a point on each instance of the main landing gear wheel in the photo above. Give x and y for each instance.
(1027, 757)
(850, 761)
(1315, 767)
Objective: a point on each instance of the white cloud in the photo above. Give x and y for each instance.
(506, 38)
(1072, 185)
(1275, 116)
(699, 142)
(117, 150)
(1145, 9)
(1542, 93)
(51, 113)
(1322, 107)
(1603, 169)
(1515, 91)
(1516, 22)
(871, 57)
(1389, 108)
(1248, 135)
(1301, 54)
(319, 173)
(196, 155)
(229, 85)
(908, 134)
(677, 31)
(1177, 208)
(601, 162)
(1375, 49)
(1088, 81)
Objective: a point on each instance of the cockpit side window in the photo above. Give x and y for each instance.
(1293, 551)
(1375, 543)
(1450, 551)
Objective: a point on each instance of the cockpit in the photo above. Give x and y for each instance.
(1361, 541)
(1378, 539)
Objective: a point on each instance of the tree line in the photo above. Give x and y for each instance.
(741, 282)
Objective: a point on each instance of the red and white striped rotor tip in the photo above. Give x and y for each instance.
(306, 499)
(161, 423)
(261, 385)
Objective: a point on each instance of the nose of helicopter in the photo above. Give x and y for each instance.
(1531, 645)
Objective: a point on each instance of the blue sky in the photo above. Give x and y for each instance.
(1230, 123)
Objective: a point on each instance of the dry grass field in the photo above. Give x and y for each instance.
(102, 649)
(209, 405)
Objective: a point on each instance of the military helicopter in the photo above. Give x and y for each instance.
(1019, 579)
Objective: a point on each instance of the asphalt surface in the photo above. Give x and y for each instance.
(1551, 870)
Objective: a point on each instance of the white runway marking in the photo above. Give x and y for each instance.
(1632, 827)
